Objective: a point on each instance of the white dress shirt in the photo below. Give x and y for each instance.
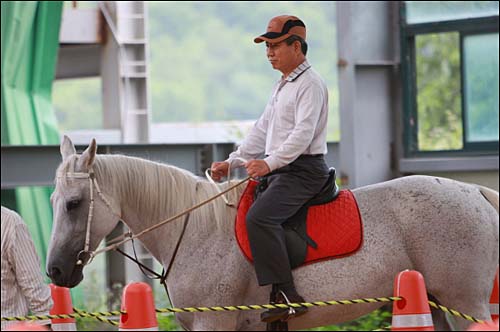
(23, 288)
(294, 121)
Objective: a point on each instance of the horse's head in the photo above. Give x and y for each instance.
(71, 204)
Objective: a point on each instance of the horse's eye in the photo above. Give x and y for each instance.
(73, 204)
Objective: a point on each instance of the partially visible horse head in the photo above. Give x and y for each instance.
(71, 203)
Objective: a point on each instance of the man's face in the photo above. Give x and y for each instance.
(281, 56)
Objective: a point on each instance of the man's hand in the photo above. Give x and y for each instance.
(219, 169)
(256, 168)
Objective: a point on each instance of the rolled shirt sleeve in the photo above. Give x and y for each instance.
(254, 144)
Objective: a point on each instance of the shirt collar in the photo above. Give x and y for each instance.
(298, 71)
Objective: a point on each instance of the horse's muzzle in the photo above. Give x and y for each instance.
(60, 276)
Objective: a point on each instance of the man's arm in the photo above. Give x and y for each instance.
(254, 144)
(26, 265)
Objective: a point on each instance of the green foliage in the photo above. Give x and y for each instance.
(206, 64)
(377, 319)
(77, 103)
(168, 323)
(217, 73)
(91, 324)
(438, 91)
(93, 299)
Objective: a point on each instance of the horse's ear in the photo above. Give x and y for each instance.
(67, 148)
(87, 158)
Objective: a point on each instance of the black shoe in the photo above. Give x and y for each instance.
(284, 314)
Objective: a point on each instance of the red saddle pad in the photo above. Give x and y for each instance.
(336, 226)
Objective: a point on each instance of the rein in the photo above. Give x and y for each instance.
(116, 242)
(164, 273)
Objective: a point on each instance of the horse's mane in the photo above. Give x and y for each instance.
(157, 191)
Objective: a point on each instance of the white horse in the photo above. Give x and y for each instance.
(445, 229)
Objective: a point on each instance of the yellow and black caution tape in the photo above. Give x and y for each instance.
(455, 313)
(39, 317)
(97, 315)
(78, 313)
(274, 306)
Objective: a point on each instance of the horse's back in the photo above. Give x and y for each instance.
(411, 192)
(419, 204)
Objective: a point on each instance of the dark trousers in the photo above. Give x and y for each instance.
(289, 188)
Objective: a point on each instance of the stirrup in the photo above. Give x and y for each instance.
(291, 310)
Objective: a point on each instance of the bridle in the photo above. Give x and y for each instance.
(83, 260)
(92, 183)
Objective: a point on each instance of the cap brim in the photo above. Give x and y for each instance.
(265, 38)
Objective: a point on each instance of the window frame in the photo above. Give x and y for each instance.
(408, 32)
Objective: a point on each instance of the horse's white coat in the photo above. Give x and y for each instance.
(443, 228)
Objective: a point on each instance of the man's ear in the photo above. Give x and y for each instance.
(67, 148)
(87, 158)
(298, 46)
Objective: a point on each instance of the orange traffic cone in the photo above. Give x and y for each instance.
(26, 327)
(487, 326)
(138, 302)
(62, 306)
(494, 299)
(412, 313)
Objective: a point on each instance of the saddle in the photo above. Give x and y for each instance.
(327, 226)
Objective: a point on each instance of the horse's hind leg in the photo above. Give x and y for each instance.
(470, 301)
(439, 318)
(467, 290)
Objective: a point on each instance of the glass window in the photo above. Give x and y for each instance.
(434, 11)
(450, 66)
(438, 92)
(481, 87)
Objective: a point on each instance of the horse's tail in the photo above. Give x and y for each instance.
(490, 195)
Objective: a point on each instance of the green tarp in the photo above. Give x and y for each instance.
(30, 41)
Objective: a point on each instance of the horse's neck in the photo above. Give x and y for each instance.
(160, 192)
(147, 193)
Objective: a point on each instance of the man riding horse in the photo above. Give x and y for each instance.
(292, 134)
